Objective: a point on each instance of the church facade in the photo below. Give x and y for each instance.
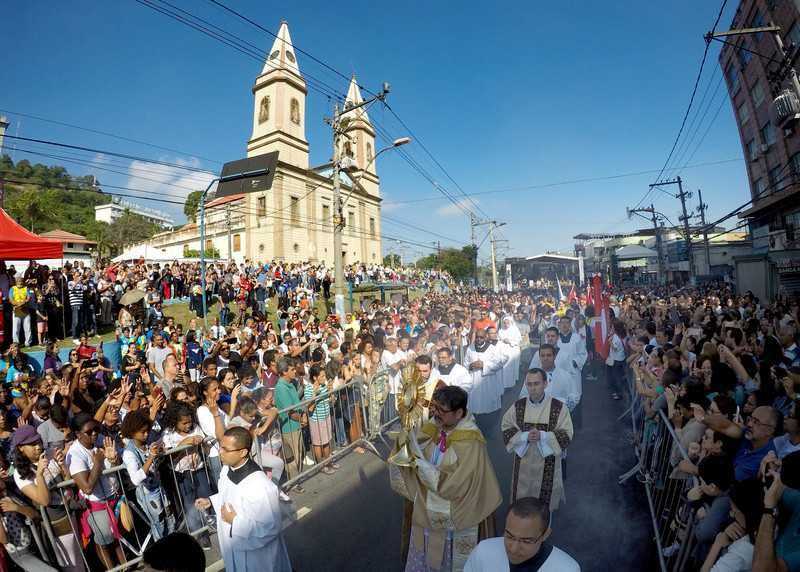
(293, 220)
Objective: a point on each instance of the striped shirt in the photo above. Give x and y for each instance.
(323, 409)
(76, 294)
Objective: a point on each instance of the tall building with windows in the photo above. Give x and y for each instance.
(293, 220)
(770, 140)
(766, 105)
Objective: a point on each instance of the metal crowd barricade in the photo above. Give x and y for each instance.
(56, 549)
(348, 425)
(658, 451)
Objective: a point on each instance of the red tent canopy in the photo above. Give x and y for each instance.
(16, 243)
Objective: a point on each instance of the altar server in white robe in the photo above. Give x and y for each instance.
(249, 518)
(560, 384)
(510, 340)
(550, 338)
(452, 373)
(524, 544)
(492, 335)
(572, 347)
(484, 362)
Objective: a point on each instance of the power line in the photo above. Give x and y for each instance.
(231, 41)
(107, 134)
(403, 153)
(567, 182)
(683, 148)
(756, 197)
(689, 107)
(112, 153)
(414, 164)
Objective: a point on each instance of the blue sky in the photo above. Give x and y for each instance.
(521, 95)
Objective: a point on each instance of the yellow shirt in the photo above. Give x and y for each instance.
(18, 297)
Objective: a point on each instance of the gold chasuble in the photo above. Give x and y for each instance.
(453, 505)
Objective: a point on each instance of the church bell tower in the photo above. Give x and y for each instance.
(359, 142)
(279, 109)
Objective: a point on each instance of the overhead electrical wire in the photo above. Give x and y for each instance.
(689, 107)
(107, 134)
(403, 153)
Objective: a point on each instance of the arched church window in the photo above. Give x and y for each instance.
(263, 111)
(369, 152)
(294, 111)
(348, 149)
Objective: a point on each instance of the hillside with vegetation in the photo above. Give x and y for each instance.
(43, 197)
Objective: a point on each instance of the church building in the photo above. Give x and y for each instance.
(293, 220)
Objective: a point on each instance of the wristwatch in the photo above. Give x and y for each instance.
(773, 512)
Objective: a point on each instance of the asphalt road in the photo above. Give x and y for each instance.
(352, 520)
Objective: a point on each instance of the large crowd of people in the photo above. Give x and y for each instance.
(143, 441)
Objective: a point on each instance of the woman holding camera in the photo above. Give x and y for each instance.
(141, 462)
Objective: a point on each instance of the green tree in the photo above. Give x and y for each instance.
(130, 228)
(392, 260)
(192, 253)
(191, 205)
(459, 263)
(33, 207)
(100, 232)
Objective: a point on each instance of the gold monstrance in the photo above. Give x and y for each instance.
(410, 407)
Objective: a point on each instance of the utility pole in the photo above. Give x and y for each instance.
(682, 195)
(228, 224)
(494, 256)
(339, 126)
(702, 208)
(472, 224)
(662, 277)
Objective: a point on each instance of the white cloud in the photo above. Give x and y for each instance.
(455, 209)
(152, 181)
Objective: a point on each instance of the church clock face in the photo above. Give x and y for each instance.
(290, 56)
(274, 55)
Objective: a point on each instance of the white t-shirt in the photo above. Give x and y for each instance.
(205, 420)
(51, 474)
(187, 462)
(738, 558)
(617, 349)
(80, 460)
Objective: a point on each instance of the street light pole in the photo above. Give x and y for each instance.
(225, 179)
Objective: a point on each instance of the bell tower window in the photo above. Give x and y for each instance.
(263, 111)
(294, 111)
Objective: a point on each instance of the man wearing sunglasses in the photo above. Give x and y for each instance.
(523, 545)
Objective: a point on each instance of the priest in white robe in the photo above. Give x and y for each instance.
(537, 431)
(484, 363)
(510, 341)
(450, 372)
(524, 543)
(249, 518)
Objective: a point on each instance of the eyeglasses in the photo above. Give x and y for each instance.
(759, 422)
(233, 450)
(526, 541)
